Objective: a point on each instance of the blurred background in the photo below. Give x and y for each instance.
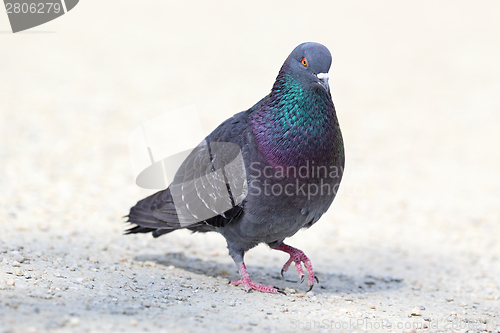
(416, 87)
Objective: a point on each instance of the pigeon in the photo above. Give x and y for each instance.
(282, 161)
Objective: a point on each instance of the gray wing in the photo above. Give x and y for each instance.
(208, 189)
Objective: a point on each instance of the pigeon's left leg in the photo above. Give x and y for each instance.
(245, 277)
(298, 257)
(249, 284)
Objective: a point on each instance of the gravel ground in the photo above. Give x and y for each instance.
(411, 242)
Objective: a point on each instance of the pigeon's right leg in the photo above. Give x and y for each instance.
(245, 277)
(298, 257)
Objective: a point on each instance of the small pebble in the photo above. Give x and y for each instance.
(10, 282)
(134, 322)
(372, 306)
(369, 281)
(149, 264)
(18, 257)
(415, 311)
(74, 321)
(16, 264)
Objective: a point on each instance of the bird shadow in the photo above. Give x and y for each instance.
(329, 283)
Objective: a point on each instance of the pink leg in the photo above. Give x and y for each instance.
(298, 257)
(249, 284)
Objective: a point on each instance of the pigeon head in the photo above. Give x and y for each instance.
(309, 64)
(297, 121)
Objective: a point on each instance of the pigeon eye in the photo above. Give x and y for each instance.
(304, 62)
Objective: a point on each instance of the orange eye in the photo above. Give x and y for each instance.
(304, 62)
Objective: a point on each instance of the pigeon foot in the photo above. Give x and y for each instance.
(250, 285)
(298, 257)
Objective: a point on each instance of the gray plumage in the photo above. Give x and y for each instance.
(292, 129)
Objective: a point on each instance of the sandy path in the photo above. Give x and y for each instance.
(415, 227)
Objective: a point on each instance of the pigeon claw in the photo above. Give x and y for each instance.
(249, 285)
(298, 257)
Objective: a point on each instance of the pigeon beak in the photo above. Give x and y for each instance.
(323, 80)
